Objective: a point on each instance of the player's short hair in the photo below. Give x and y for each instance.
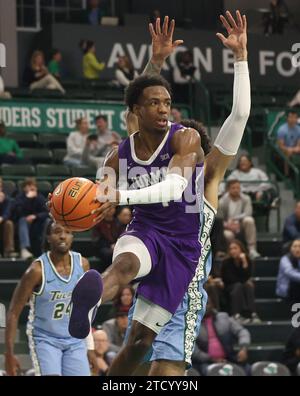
(205, 139)
(135, 89)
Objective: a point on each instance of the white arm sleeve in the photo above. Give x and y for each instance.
(231, 133)
(168, 190)
(89, 341)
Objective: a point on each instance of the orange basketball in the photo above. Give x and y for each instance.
(72, 202)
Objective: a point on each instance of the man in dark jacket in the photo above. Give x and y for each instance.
(291, 229)
(291, 355)
(216, 340)
(32, 213)
(6, 225)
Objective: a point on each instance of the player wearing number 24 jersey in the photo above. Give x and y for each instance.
(48, 284)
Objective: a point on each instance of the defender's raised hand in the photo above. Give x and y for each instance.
(237, 34)
(162, 40)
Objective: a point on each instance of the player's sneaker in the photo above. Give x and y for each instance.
(85, 301)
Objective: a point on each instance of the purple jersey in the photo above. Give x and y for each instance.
(177, 218)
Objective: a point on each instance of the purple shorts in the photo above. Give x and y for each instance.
(174, 261)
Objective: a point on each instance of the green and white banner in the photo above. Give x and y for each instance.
(58, 117)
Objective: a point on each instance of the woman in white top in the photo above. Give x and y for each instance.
(125, 71)
(76, 142)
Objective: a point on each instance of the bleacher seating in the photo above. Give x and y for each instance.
(269, 369)
(268, 337)
(225, 370)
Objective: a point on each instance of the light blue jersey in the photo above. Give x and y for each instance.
(53, 350)
(176, 340)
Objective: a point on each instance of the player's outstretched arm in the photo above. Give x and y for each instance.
(229, 138)
(29, 281)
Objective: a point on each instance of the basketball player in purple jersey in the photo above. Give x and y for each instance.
(152, 309)
(172, 349)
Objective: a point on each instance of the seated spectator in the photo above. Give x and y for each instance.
(54, 65)
(6, 225)
(124, 298)
(236, 272)
(95, 152)
(288, 139)
(95, 12)
(214, 288)
(291, 355)
(125, 72)
(249, 176)
(76, 142)
(124, 217)
(32, 214)
(176, 115)
(288, 279)
(104, 353)
(217, 337)
(116, 328)
(37, 75)
(184, 73)
(90, 65)
(185, 70)
(291, 229)
(106, 234)
(10, 152)
(3, 94)
(235, 208)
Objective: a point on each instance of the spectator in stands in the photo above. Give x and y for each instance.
(184, 72)
(216, 340)
(6, 225)
(38, 76)
(95, 12)
(125, 72)
(274, 21)
(76, 142)
(106, 234)
(288, 279)
(176, 115)
(235, 208)
(291, 355)
(124, 298)
(249, 176)
(32, 214)
(236, 272)
(10, 152)
(54, 65)
(124, 216)
(288, 137)
(214, 288)
(95, 151)
(3, 94)
(90, 65)
(104, 353)
(116, 328)
(291, 229)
